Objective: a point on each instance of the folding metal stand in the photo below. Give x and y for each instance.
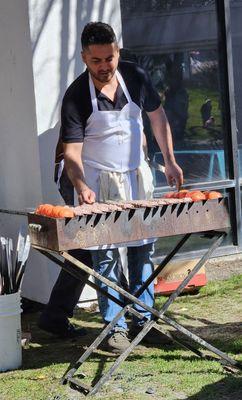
(74, 269)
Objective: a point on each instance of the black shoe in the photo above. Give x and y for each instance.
(154, 336)
(64, 331)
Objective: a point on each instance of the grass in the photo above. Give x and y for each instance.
(197, 96)
(194, 129)
(165, 373)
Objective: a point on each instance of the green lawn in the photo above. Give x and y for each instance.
(168, 373)
(197, 96)
(194, 129)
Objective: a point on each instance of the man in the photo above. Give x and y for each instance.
(206, 110)
(102, 134)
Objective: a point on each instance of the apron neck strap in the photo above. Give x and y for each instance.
(123, 86)
(93, 92)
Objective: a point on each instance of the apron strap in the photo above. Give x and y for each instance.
(93, 92)
(123, 86)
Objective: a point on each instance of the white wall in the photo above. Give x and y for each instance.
(20, 180)
(55, 27)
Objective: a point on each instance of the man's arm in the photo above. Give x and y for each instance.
(75, 171)
(162, 133)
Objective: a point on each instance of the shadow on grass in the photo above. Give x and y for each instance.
(102, 364)
(59, 351)
(228, 388)
(53, 351)
(47, 349)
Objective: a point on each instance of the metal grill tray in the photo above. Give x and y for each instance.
(128, 225)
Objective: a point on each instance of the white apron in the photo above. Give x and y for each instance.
(112, 154)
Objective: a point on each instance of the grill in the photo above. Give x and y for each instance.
(139, 220)
(124, 222)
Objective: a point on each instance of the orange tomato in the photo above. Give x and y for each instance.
(42, 208)
(38, 209)
(56, 211)
(47, 210)
(197, 196)
(66, 213)
(189, 194)
(213, 195)
(181, 194)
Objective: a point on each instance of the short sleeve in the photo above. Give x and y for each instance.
(150, 97)
(72, 129)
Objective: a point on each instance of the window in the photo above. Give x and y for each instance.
(236, 33)
(176, 42)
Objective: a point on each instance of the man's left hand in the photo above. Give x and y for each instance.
(174, 174)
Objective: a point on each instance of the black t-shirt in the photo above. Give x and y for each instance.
(77, 106)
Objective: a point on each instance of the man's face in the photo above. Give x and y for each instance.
(101, 60)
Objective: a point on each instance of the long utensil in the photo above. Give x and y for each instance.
(5, 277)
(19, 251)
(12, 269)
(9, 255)
(22, 267)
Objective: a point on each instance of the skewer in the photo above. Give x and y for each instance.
(21, 270)
(5, 277)
(9, 249)
(11, 273)
(19, 252)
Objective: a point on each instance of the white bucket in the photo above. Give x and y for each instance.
(10, 332)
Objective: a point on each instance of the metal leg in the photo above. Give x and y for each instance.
(180, 341)
(198, 266)
(147, 327)
(202, 342)
(162, 265)
(133, 299)
(70, 372)
(122, 357)
(145, 330)
(75, 271)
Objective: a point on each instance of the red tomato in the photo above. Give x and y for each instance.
(169, 195)
(181, 194)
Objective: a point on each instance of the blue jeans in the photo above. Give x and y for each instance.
(140, 267)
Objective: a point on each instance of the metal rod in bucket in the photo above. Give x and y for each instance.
(11, 272)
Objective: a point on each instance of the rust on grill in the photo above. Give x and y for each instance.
(129, 224)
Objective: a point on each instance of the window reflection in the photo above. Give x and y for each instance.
(185, 72)
(236, 33)
(189, 89)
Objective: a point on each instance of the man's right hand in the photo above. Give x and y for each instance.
(86, 195)
(74, 167)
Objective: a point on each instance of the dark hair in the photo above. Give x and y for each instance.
(97, 33)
